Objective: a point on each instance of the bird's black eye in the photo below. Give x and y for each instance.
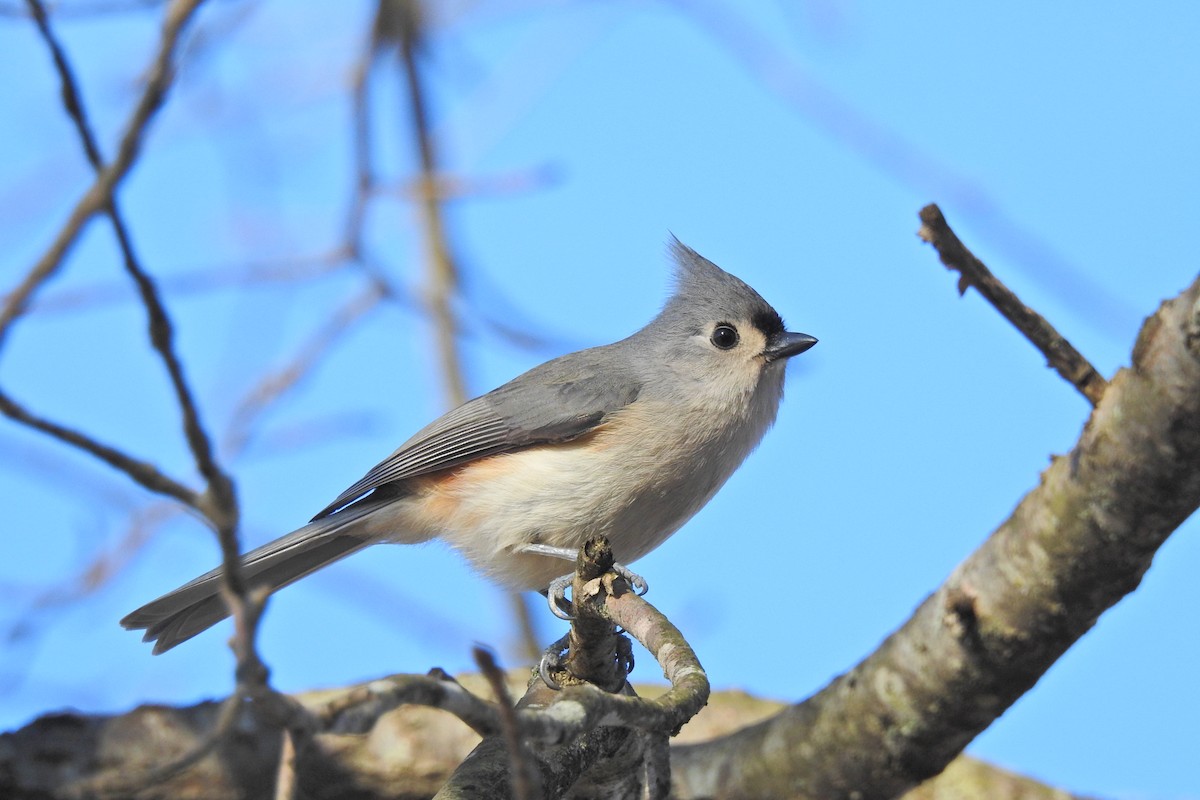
(724, 337)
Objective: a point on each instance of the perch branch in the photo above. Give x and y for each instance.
(578, 726)
(1059, 353)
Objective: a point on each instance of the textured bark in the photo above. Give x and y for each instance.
(617, 744)
(1074, 546)
(408, 754)
(968, 779)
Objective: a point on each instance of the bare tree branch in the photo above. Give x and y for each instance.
(604, 724)
(141, 472)
(217, 503)
(277, 384)
(1059, 353)
(159, 78)
(523, 777)
(400, 22)
(1073, 547)
(402, 755)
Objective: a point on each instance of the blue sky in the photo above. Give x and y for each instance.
(791, 143)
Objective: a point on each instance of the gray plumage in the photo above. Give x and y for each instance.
(628, 440)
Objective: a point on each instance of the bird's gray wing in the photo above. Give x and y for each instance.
(554, 402)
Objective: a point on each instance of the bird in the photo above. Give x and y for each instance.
(627, 440)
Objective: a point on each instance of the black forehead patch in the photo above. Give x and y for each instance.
(768, 321)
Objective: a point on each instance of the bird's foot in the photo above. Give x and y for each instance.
(552, 662)
(556, 593)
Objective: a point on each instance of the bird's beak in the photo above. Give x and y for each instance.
(786, 345)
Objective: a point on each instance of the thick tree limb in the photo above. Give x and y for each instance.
(1059, 353)
(549, 740)
(1074, 546)
(407, 754)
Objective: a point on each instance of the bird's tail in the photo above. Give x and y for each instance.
(197, 605)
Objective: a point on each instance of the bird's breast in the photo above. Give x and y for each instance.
(636, 479)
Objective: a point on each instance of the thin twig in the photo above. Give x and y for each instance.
(274, 386)
(218, 503)
(159, 80)
(1066, 360)
(523, 777)
(70, 90)
(285, 775)
(402, 21)
(141, 472)
(364, 180)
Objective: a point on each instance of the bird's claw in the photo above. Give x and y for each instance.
(556, 596)
(550, 663)
(624, 656)
(556, 593)
(635, 581)
(552, 660)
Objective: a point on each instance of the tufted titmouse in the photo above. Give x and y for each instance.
(628, 440)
